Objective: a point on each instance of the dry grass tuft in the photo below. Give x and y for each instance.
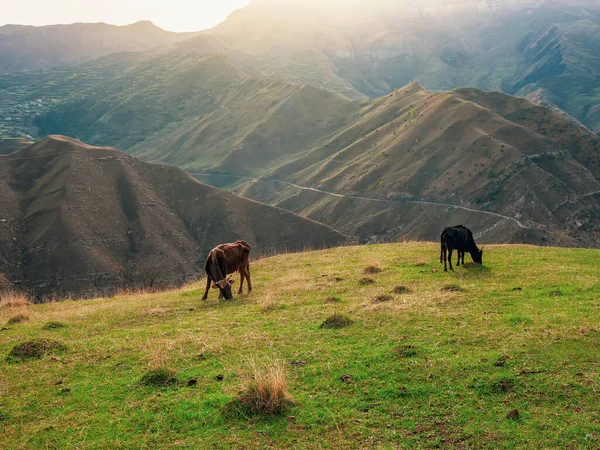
(264, 390)
(269, 306)
(366, 281)
(333, 300)
(402, 290)
(23, 316)
(372, 269)
(337, 321)
(35, 349)
(383, 298)
(14, 299)
(269, 303)
(159, 355)
(421, 262)
(159, 373)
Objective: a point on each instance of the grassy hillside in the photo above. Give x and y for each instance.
(440, 363)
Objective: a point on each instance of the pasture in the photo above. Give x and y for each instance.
(428, 359)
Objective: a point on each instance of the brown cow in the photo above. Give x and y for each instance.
(224, 260)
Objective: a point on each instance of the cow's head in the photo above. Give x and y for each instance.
(478, 256)
(225, 287)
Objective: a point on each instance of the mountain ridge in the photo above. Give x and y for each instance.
(26, 48)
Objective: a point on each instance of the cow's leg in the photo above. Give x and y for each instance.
(450, 250)
(444, 251)
(208, 281)
(242, 276)
(248, 278)
(459, 253)
(463, 258)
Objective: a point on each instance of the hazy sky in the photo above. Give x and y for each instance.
(173, 15)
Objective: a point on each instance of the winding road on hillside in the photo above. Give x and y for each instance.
(320, 191)
(358, 197)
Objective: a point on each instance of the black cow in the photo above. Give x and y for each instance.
(459, 238)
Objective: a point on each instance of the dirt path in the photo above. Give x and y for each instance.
(358, 197)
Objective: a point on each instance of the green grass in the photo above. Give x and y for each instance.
(431, 367)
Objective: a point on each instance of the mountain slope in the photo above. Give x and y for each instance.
(510, 46)
(191, 105)
(545, 50)
(83, 220)
(466, 148)
(12, 145)
(34, 48)
(481, 151)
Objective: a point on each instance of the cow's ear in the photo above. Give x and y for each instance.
(231, 281)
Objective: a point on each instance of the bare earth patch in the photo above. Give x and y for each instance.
(35, 349)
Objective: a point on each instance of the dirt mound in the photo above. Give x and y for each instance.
(336, 321)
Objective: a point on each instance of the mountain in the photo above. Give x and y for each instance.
(463, 151)
(544, 50)
(191, 105)
(518, 47)
(85, 221)
(34, 48)
(415, 161)
(277, 109)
